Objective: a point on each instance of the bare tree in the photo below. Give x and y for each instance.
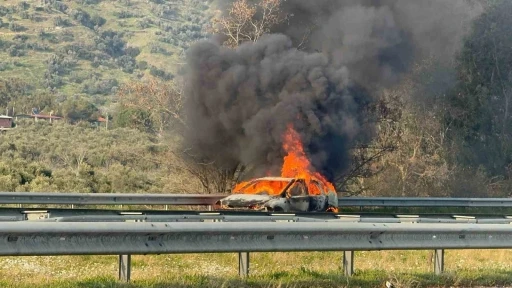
(384, 116)
(162, 100)
(417, 165)
(243, 22)
(164, 103)
(212, 178)
(247, 22)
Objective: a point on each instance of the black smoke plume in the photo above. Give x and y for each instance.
(239, 101)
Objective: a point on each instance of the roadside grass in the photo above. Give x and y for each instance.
(464, 268)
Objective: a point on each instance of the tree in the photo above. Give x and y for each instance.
(79, 110)
(243, 22)
(212, 178)
(157, 106)
(418, 163)
(480, 106)
(408, 155)
(384, 117)
(13, 89)
(247, 22)
(160, 102)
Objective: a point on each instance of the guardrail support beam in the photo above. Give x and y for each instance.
(125, 263)
(243, 264)
(439, 261)
(348, 263)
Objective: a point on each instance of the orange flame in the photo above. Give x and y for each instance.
(296, 165)
(271, 187)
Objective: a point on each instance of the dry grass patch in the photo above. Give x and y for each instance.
(464, 268)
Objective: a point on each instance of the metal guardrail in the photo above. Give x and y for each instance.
(28, 238)
(276, 218)
(210, 199)
(25, 238)
(425, 202)
(106, 215)
(108, 198)
(103, 232)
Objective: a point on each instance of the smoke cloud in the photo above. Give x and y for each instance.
(239, 101)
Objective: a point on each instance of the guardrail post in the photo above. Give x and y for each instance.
(438, 261)
(348, 263)
(243, 264)
(125, 269)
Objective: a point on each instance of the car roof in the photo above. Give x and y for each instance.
(277, 178)
(274, 178)
(282, 179)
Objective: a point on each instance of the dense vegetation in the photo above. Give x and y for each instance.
(88, 49)
(71, 58)
(446, 129)
(80, 158)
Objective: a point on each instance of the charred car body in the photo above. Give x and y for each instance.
(282, 194)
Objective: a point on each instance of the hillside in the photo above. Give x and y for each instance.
(91, 47)
(44, 157)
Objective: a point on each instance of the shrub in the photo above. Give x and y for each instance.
(15, 27)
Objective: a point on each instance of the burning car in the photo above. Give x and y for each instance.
(306, 194)
(299, 188)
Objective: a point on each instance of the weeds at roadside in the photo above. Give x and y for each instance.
(464, 268)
